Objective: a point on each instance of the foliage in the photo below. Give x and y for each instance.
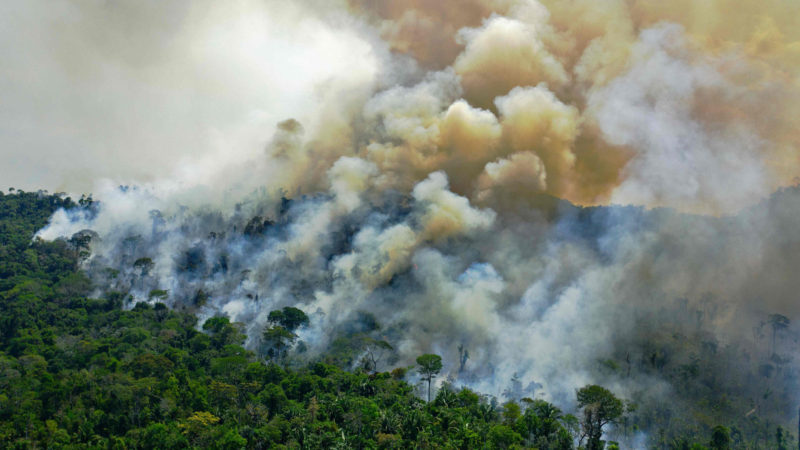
(429, 367)
(289, 317)
(600, 407)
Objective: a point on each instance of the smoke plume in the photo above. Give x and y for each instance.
(457, 170)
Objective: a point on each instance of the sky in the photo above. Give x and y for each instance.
(132, 90)
(687, 105)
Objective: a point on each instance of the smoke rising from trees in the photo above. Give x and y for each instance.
(433, 188)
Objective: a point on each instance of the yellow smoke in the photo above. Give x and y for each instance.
(520, 98)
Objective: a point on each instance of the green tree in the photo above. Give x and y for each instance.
(279, 336)
(429, 367)
(223, 332)
(720, 438)
(600, 407)
(780, 439)
(158, 435)
(289, 317)
(230, 440)
(544, 426)
(143, 266)
(199, 426)
(277, 340)
(503, 436)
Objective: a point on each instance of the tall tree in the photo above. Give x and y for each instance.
(600, 407)
(289, 317)
(277, 341)
(429, 367)
(280, 336)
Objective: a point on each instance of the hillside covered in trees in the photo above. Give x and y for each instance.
(83, 372)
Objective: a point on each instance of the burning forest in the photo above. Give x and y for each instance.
(589, 206)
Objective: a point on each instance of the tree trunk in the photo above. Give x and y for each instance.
(429, 390)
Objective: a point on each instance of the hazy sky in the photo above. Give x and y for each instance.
(127, 90)
(681, 104)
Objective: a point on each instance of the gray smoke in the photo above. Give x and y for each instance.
(543, 301)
